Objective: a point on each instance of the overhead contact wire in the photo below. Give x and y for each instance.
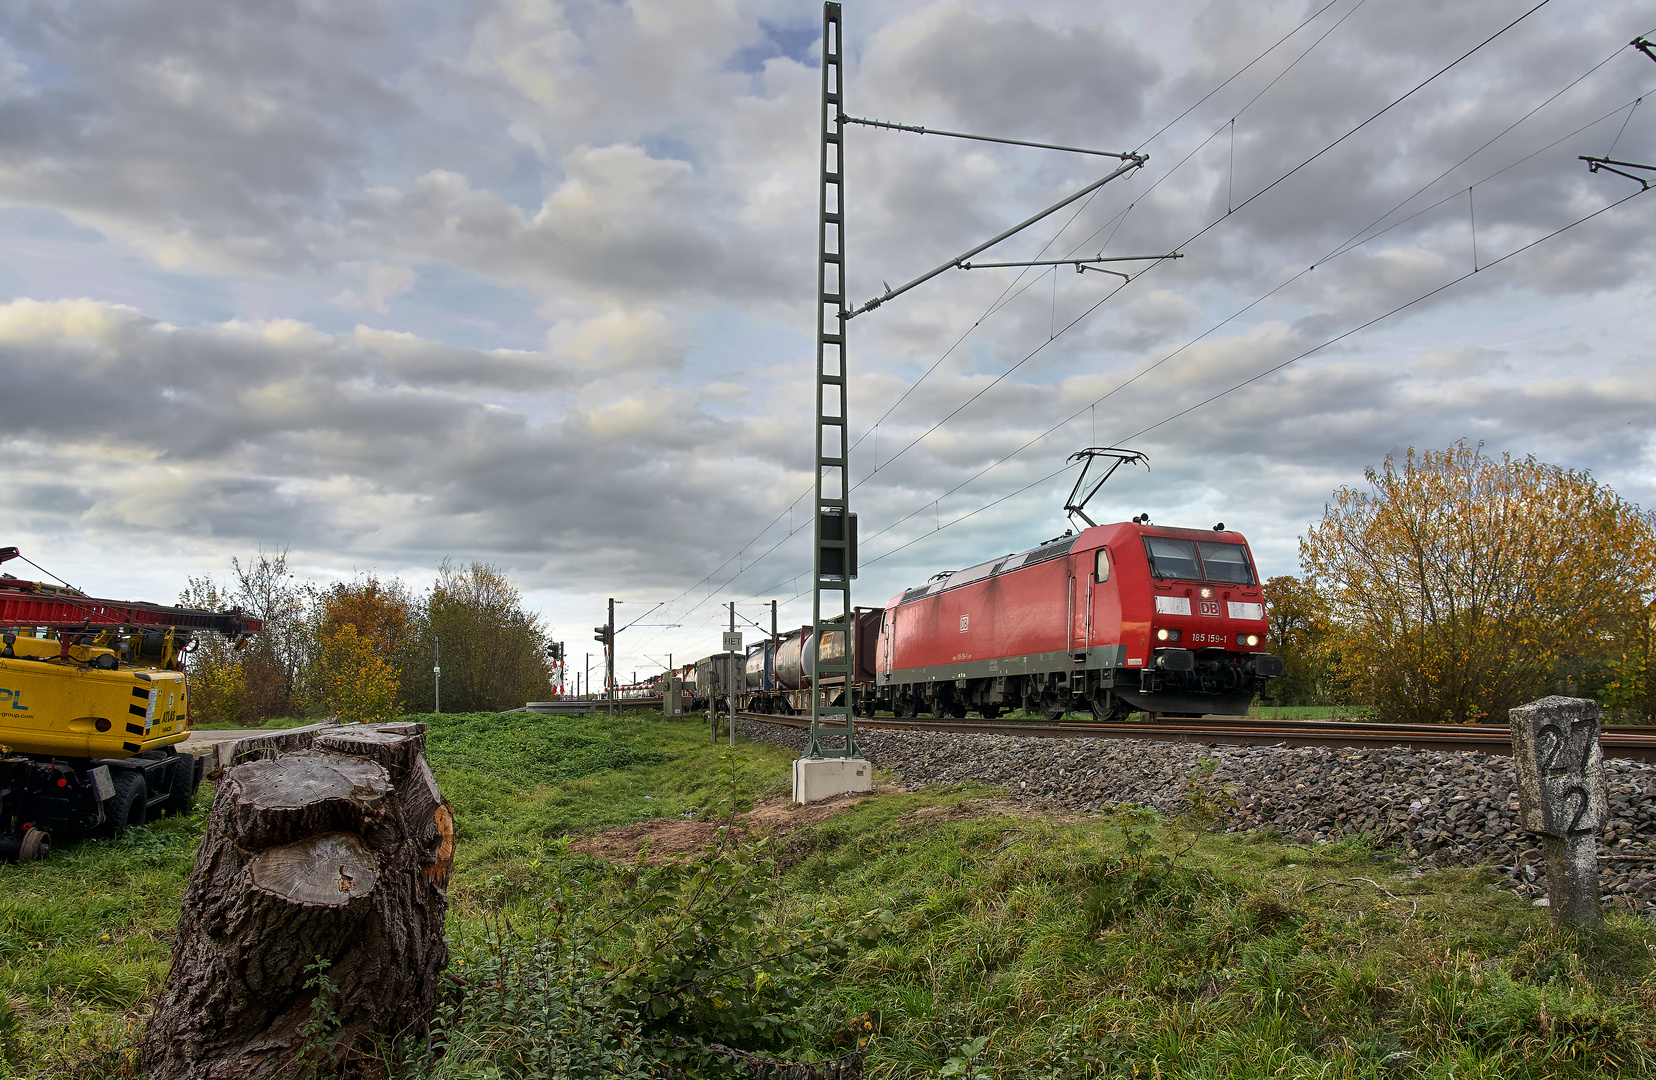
(1341, 249)
(1195, 236)
(1277, 367)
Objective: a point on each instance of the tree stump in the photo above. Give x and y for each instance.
(325, 863)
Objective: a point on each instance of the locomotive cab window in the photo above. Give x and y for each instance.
(1170, 558)
(1226, 562)
(1101, 568)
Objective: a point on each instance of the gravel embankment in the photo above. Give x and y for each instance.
(1437, 808)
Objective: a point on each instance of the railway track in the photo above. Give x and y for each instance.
(1636, 743)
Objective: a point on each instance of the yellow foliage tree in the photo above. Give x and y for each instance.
(217, 678)
(1462, 585)
(1301, 632)
(356, 681)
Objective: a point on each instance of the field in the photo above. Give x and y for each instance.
(955, 935)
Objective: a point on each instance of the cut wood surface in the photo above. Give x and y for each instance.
(325, 871)
(327, 862)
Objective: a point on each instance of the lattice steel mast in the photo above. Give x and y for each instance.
(834, 549)
(834, 561)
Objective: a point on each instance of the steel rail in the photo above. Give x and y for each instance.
(1618, 741)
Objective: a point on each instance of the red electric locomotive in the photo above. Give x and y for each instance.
(1118, 618)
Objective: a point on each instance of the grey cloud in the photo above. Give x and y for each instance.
(1012, 74)
(605, 158)
(280, 434)
(219, 126)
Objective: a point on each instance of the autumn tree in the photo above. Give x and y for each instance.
(217, 681)
(361, 627)
(1463, 585)
(275, 659)
(493, 651)
(1629, 689)
(1301, 632)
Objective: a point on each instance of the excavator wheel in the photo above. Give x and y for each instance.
(128, 807)
(37, 844)
(181, 791)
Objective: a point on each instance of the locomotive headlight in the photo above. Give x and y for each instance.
(1207, 593)
(1165, 634)
(1161, 635)
(1247, 639)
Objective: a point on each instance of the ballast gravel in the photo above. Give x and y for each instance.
(1437, 808)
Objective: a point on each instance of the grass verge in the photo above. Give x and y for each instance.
(1015, 946)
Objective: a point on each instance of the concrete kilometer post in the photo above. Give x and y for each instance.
(1559, 766)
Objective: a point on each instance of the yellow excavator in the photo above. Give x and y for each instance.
(93, 702)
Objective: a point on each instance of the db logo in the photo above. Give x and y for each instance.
(1207, 607)
(963, 623)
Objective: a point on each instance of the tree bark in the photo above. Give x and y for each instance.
(328, 862)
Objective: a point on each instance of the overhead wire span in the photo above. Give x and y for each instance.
(1093, 189)
(993, 308)
(1201, 232)
(1121, 215)
(1238, 74)
(1272, 370)
(998, 302)
(1340, 250)
(1356, 240)
(1382, 317)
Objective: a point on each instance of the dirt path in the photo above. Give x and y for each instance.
(675, 836)
(668, 837)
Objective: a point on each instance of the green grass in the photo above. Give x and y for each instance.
(520, 782)
(1056, 946)
(85, 940)
(275, 723)
(1239, 960)
(86, 936)
(1262, 711)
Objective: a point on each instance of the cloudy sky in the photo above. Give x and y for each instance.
(532, 282)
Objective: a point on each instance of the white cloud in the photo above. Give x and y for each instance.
(380, 284)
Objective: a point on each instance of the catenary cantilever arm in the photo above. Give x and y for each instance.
(918, 130)
(1138, 160)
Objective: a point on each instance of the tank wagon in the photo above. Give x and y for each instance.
(780, 673)
(1120, 618)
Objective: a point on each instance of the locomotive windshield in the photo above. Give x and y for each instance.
(1171, 558)
(1225, 562)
